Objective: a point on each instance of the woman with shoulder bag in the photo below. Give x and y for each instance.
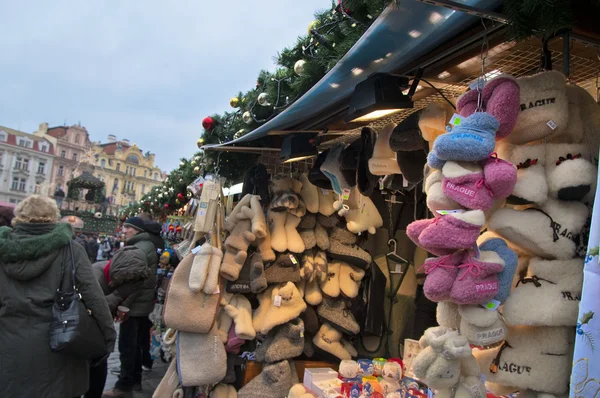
(39, 265)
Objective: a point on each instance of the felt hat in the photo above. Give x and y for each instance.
(557, 284)
(410, 147)
(337, 313)
(208, 346)
(544, 107)
(275, 380)
(365, 181)
(242, 284)
(383, 161)
(136, 223)
(547, 232)
(283, 342)
(332, 168)
(536, 358)
(350, 156)
(285, 268)
(316, 176)
(286, 304)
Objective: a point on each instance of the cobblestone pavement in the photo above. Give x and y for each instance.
(150, 380)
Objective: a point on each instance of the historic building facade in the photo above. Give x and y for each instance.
(26, 163)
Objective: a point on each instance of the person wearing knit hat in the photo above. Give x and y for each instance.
(283, 342)
(285, 305)
(190, 347)
(383, 161)
(136, 223)
(274, 381)
(285, 268)
(337, 313)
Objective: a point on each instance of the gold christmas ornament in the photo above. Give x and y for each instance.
(312, 25)
(247, 117)
(178, 201)
(197, 170)
(239, 133)
(200, 142)
(234, 102)
(299, 66)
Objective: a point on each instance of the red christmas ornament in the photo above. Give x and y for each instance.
(166, 205)
(208, 123)
(346, 10)
(180, 196)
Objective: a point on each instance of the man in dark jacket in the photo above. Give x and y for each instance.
(91, 248)
(140, 304)
(118, 279)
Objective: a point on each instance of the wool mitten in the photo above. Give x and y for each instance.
(254, 212)
(241, 313)
(264, 248)
(241, 236)
(224, 320)
(277, 221)
(200, 267)
(295, 244)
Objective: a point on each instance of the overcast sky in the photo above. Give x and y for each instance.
(146, 70)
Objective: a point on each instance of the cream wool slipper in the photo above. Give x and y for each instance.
(301, 286)
(329, 339)
(326, 199)
(241, 236)
(570, 173)
(295, 244)
(312, 292)
(548, 232)
(309, 194)
(320, 269)
(331, 285)
(349, 347)
(308, 266)
(350, 279)
(536, 358)
(436, 199)
(241, 313)
(277, 221)
(286, 304)
(200, 266)
(211, 285)
(482, 327)
(555, 283)
(531, 186)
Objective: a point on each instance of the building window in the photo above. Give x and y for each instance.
(145, 173)
(2, 136)
(74, 155)
(18, 163)
(118, 166)
(26, 164)
(24, 143)
(143, 189)
(42, 168)
(103, 163)
(44, 148)
(155, 176)
(63, 154)
(133, 159)
(134, 172)
(77, 139)
(13, 201)
(18, 184)
(127, 170)
(116, 185)
(61, 171)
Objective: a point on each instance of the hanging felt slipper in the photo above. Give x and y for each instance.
(336, 312)
(510, 258)
(441, 273)
(464, 183)
(329, 339)
(477, 279)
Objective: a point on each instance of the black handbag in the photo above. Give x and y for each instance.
(74, 331)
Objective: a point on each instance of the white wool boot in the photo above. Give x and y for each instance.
(309, 194)
(531, 186)
(555, 283)
(331, 285)
(329, 339)
(295, 244)
(277, 220)
(350, 279)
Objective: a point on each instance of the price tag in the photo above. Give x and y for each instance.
(346, 194)
(552, 124)
(381, 184)
(294, 261)
(491, 305)
(196, 249)
(325, 192)
(456, 119)
(277, 301)
(302, 332)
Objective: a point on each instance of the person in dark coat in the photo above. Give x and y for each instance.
(6, 216)
(31, 259)
(118, 278)
(140, 304)
(91, 248)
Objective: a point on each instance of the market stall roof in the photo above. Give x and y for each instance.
(403, 33)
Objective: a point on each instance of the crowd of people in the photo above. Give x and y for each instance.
(116, 280)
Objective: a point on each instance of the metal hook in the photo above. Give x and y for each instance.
(392, 242)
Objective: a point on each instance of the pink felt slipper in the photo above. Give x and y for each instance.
(453, 231)
(477, 279)
(441, 273)
(500, 176)
(464, 183)
(414, 230)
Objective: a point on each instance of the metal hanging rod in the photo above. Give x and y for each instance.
(453, 5)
